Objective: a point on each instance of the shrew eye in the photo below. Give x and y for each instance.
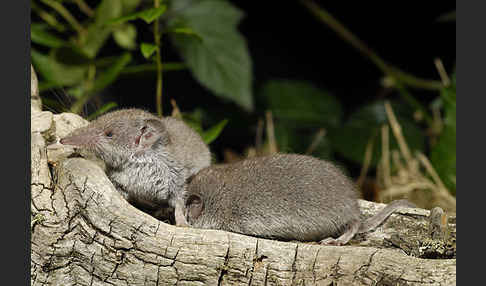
(109, 133)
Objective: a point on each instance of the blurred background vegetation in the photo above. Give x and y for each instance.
(371, 86)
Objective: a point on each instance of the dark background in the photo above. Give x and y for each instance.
(286, 41)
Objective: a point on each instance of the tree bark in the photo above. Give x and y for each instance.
(85, 233)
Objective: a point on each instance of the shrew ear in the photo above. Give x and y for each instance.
(194, 206)
(153, 131)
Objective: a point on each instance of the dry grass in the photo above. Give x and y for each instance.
(402, 173)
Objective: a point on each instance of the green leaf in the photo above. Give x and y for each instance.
(98, 32)
(299, 110)
(56, 73)
(194, 120)
(148, 15)
(221, 62)
(212, 133)
(298, 140)
(130, 5)
(300, 103)
(443, 154)
(363, 125)
(105, 108)
(40, 35)
(78, 91)
(185, 31)
(110, 75)
(147, 49)
(125, 36)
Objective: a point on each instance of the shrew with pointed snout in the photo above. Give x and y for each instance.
(286, 197)
(148, 158)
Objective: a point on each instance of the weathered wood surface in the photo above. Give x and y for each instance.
(85, 233)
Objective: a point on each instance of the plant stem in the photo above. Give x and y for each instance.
(159, 63)
(57, 6)
(48, 18)
(349, 37)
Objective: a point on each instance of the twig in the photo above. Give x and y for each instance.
(315, 142)
(272, 143)
(397, 131)
(395, 155)
(403, 175)
(366, 161)
(442, 73)
(430, 170)
(259, 137)
(385, 155)
(159, 63)
(176, 112)
(349, 37)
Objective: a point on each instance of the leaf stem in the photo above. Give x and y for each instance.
(66, 15)
(159, 63)
(101, 82)
(84, 7)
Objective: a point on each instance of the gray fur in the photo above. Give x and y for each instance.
(148, 158)
(287, 197)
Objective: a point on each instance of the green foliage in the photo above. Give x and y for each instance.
(105, 108)
(67, 54)
(125, 36)
(98, 32)
(443, 154)
(110, 75)
(55, 72)
(185, 31)
(194, 120)
(302, 104)
(205, 33)
(148, 15)
(299, 110)
(212, 133)
(105, 78)
(147, 49)
(298, 140)
(39, 34)
(364, 124)
(220, 61)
